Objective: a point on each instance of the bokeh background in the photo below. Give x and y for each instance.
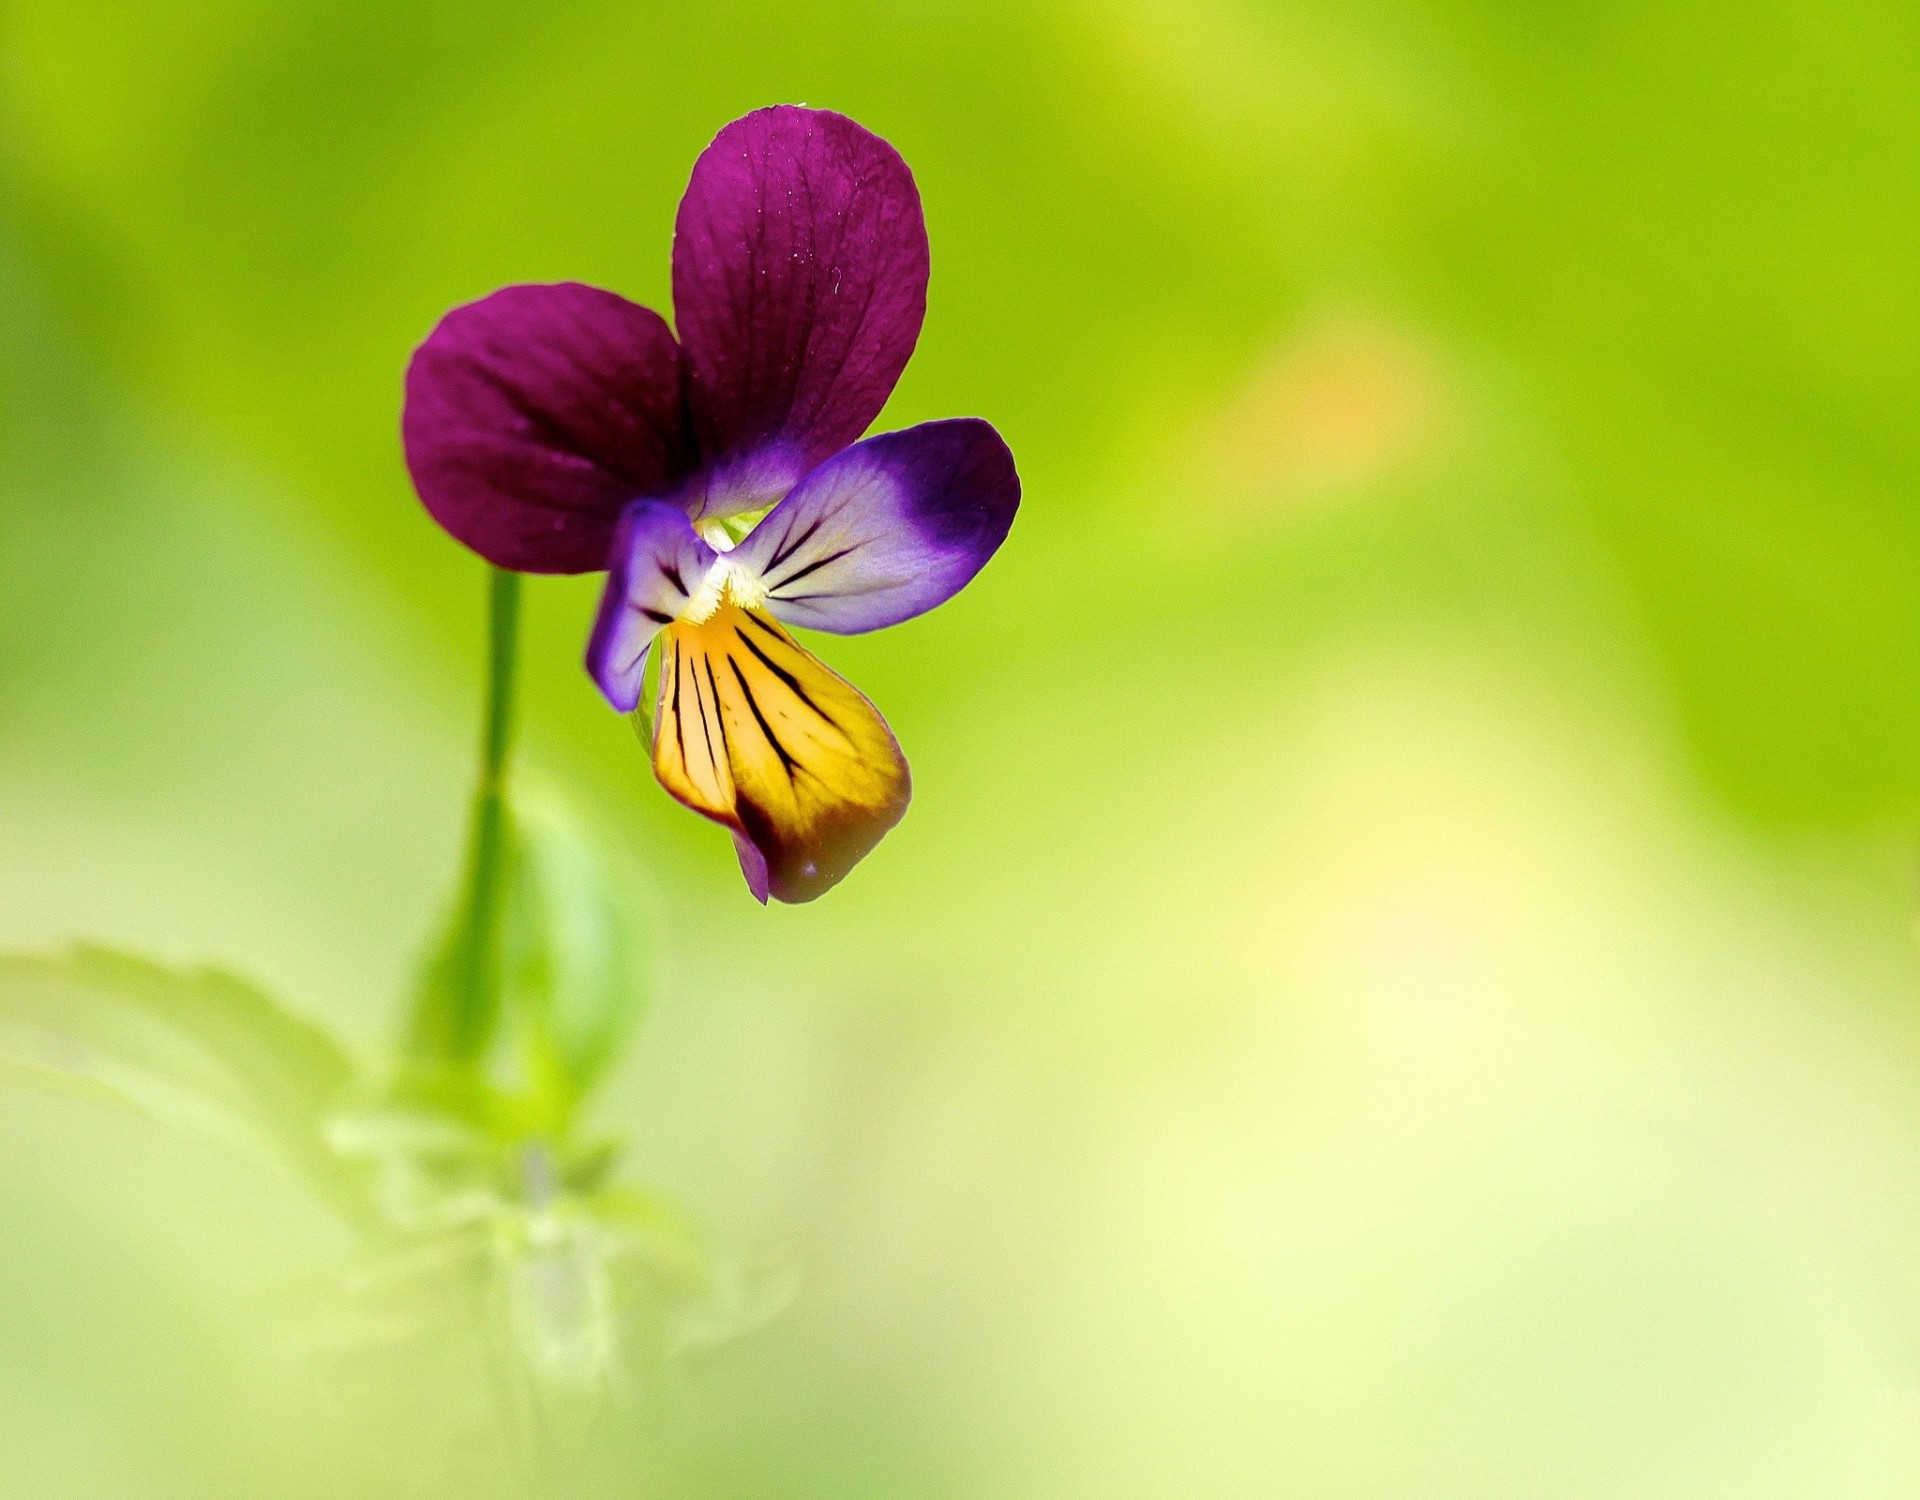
(1399, 980)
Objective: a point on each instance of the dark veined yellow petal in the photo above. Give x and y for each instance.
(754, 732)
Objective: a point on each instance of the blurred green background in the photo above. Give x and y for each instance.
(1398, 982)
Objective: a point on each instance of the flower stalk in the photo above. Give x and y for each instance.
(458, 1010)
(487, 871)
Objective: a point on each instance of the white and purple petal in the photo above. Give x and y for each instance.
(535, 415)
(886, 529)
(656, 562)
(799, 286)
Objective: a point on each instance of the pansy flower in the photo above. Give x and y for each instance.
(718, 479)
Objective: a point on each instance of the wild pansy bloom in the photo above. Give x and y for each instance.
(718, 481)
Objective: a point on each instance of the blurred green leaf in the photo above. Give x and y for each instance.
(199, 1050)
(418, 1160)
(445, 1052)
(571, 980)
(575, 985)
(654, 1238)
(741, 1299)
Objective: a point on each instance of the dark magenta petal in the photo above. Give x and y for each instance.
(656, 562)
(533, 417)
(799, 285)
(888, 528)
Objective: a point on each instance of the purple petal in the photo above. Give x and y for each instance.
(534, 415)
(656, 563)
(753, 866)
(887, 529)
(799, 285)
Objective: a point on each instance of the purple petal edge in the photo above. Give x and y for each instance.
(753, 866)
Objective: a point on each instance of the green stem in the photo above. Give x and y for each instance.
(488, 869)
(459, 1013)
(503, 631)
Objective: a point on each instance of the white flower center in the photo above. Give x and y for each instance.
(725, 580)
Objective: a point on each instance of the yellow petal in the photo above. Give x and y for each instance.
(754, 732)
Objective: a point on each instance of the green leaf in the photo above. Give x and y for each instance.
(417, 1157)
(574, 976)
(454, 1015)
(199, 1050)
(564, 972)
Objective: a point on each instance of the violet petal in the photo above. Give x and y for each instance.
(886, 529)
(656, 562)
(753, 866)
